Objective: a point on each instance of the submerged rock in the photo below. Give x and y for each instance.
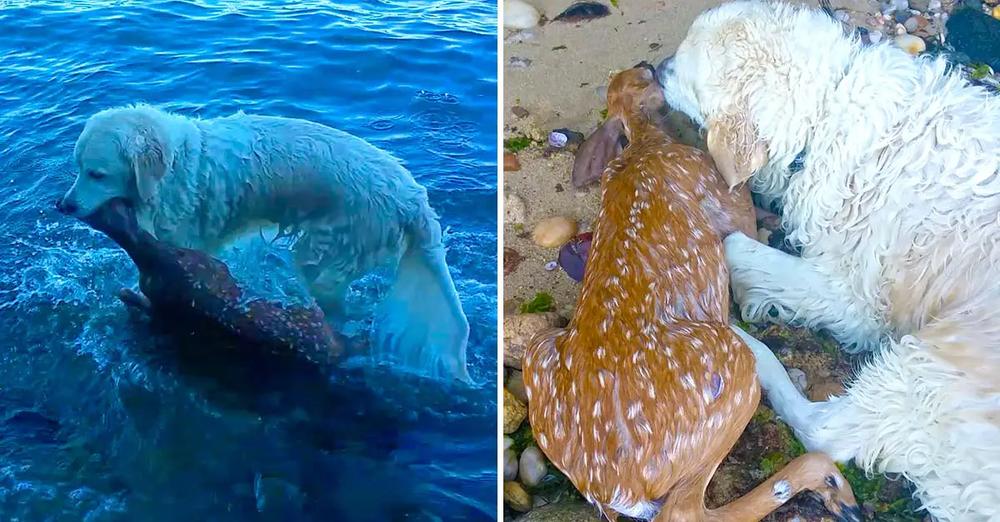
(911, 44)
(582, 12)
(510, 464)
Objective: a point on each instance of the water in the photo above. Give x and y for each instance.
(101, 417)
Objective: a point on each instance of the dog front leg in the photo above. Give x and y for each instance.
(770, 285)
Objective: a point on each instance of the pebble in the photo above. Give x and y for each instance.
(572, 137)
(510, 162)
(875, 37)
(900, 29)
(934, 5)
(911, 24)
(842, 15)
(518, 329)
(507, 442)
(573, 256)
(553, 232)
(510, 464)
(551, 265)
(519, 111)
(798, 378)
(911, 44)
(514, 412)
(995, 13)
(518, 14)
(516, 497)
(515, 210)
(515, 384)
(532, 468)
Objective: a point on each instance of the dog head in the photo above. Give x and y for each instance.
(754, 74)
(121, 153)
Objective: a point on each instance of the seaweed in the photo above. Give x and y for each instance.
(517, 143)
(542, 302)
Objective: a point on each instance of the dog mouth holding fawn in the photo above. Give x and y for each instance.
(639, 399)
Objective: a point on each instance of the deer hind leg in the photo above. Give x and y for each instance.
(814, 472)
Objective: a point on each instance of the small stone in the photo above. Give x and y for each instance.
(510, 162)
(532, 467)
(572, 137)
(763, 235)
(933, 5)
(558, 139)
(511, 259)
(514, 412)
(515, 384)
(874, 37)
(798, 378)
(515, 210)
(507, 442)
(911, 24)
(519, 329)
(518, 14)
(842, 15)
(822, 391)
(900, 29)
(911, 44)
(995, 12)
(510, 464)
(519, 111)
(553, 232)
(551, 265)
(921, 5)
(516, 497)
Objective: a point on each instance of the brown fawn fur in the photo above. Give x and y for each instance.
(641, 397)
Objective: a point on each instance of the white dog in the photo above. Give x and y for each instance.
(201, 183)
(896, 209)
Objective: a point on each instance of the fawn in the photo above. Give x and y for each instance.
(641, 397)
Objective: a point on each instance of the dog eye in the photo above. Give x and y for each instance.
(95, 174)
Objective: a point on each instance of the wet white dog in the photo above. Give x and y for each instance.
(202, 183)
(886, 168)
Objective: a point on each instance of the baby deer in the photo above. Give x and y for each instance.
(640, 398)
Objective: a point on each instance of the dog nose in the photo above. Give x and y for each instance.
(66, 207)
(665, 69)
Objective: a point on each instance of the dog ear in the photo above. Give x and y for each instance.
(150, 159)
(736, 147)
(597, 151)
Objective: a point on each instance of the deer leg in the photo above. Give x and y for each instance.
(833, 426)
(815, 472)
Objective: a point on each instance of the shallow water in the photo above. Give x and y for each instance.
(102, 417)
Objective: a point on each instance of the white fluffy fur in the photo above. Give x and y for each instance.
(897, 213)
(201, 183)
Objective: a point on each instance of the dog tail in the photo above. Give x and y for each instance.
(420, 325)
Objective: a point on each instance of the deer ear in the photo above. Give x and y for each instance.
(736, 147)
(597, 151)
(150, 159)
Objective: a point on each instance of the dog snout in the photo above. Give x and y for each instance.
(665, 69)
(66, 206)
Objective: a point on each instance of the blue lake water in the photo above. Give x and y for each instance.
(99, 420)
